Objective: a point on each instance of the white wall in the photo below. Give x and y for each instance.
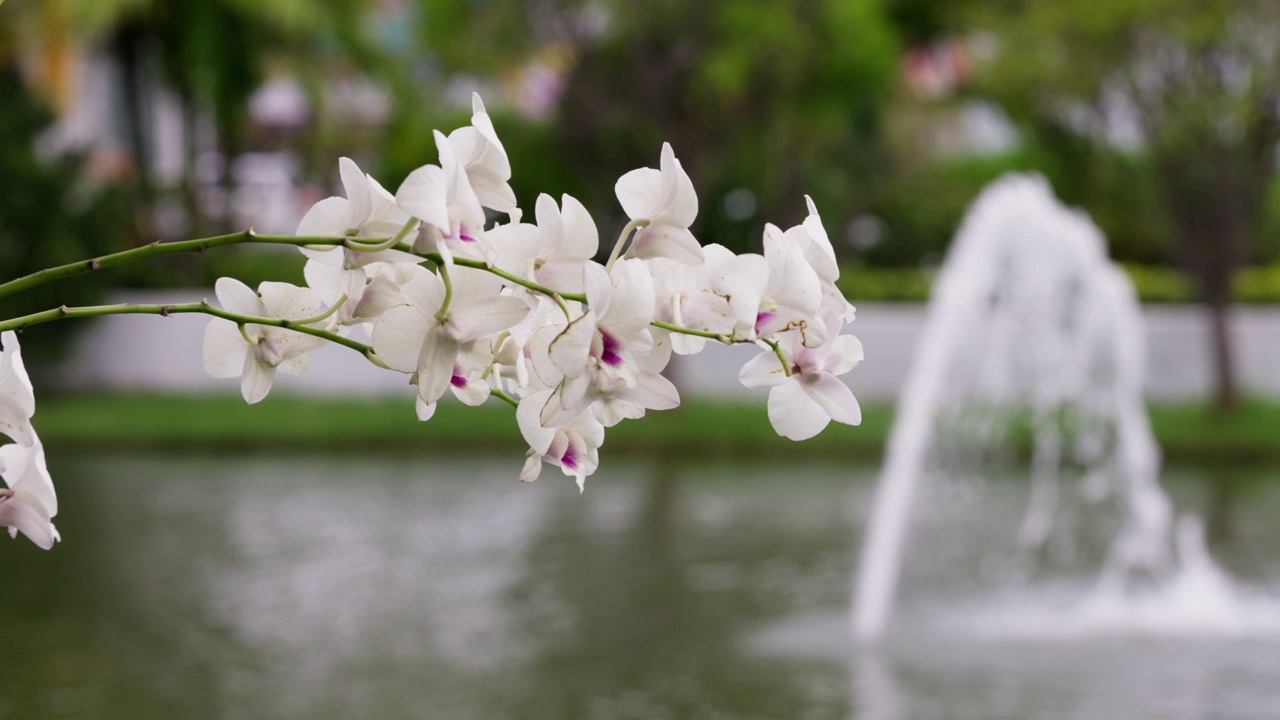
(164, 353)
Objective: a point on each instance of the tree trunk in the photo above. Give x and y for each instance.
(134, 103)
(1226, 397)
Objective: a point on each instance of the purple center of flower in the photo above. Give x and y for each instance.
(569, 459)
(464, 237)
(762, 318)
(609, 351)
(458, 381)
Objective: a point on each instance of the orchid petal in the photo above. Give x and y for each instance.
(661, 239)
(295, 365)
(224, 349)
(424, 195)
(330, 217)
(255, 380)
(679, 200)
(423, 409)
(435, 364)
(282, 300)
(846, 353)
(398, 337)
(763, 370)
(357, 187)
(835, 398)
(654, 392)
(794, 414)
(570, 349)
(528, 417)
(234, 296)
(640, 193)
(582, 239)
(482, 317)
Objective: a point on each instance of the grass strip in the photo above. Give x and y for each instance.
(1187, 432)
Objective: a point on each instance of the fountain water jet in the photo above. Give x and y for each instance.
(1031, 326)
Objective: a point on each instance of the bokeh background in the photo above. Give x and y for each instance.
(324, 555)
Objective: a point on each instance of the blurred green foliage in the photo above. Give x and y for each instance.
(49, 215)
(774, 99)
(763, 100)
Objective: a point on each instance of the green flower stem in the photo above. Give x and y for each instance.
(443, 312)
(631, 227)
(379, 246)
(342, 300)
(510, 277)
(505, 398)
(777, 350)
(156, 249)
(203, 308)
(700, 333)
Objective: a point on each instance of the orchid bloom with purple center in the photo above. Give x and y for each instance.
(427, 337)
(28, 503)
(607, 355)
(572, 446)
(802, 402)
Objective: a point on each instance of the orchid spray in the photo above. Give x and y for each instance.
(482, 309)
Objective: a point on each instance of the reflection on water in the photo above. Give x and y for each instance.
(318, 588)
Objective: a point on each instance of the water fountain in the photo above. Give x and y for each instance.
(1034, 338)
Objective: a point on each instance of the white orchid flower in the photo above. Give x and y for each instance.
(524, 354)
(484, 160)
(258, 351)
(368, 211)
(421, 338)
(793, 294)
(607, 356)
(802, 403)
(467, 382)
(573, 447)
(721, 296)
(334, 283)
(28, 503)
(443, 199)
(17, 397)
(812, 238)
(554, 251)
(666, 199)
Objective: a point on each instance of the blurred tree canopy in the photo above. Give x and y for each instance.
(1190, 87)
(213, 54)
(49, 215)
(763, 101)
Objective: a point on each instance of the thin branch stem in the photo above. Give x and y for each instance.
(157, 249)
(510, 277)
(203, 308)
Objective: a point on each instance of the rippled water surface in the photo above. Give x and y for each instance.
(332, 588)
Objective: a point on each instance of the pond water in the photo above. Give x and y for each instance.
(199, 587)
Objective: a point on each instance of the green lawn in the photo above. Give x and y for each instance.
(1187, 433)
